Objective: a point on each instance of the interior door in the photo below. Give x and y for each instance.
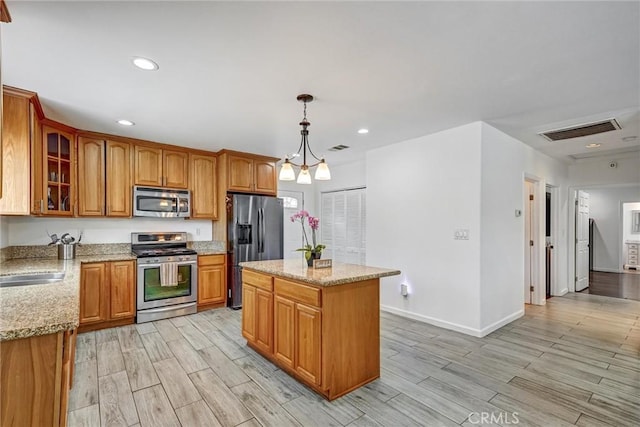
(582, 241)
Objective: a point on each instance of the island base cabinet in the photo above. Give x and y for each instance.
(326, 337)
(36, 375)
(257, 319)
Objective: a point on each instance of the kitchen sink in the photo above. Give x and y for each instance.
(31, 279)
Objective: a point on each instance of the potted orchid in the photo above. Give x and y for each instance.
(313, 251)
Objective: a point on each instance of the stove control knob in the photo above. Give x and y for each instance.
(181, 258)
(156, 260)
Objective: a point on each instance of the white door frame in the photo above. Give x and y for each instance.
(538, 297)
(555, 240)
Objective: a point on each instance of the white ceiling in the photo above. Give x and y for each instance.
(230, 71)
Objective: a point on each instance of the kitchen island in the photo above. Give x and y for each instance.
(322, 326)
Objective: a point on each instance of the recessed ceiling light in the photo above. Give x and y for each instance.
(363, 131)
(593, 145)
(125, 122)
(145, 64)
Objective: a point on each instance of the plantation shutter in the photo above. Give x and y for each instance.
(342, 225)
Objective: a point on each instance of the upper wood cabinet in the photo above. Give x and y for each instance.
(16, 150)
(104, 177)
(118, 179)
(161, 168)
(58, 170)
(250, 174)
(91, 182)
(202, 178)
(175, 166)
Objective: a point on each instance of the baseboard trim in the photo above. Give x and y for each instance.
(500, 323)
(607, 270)
(454, 326)
(561, 293)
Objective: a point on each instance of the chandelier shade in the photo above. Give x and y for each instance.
(287, 172)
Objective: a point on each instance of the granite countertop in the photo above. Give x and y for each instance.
(339, 274)
(33, 310)
(211, 252)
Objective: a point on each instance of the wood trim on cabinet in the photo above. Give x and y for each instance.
(5, 16)
(60, 126)
(249, 155)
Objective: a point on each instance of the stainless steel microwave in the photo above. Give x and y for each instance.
(161, 202)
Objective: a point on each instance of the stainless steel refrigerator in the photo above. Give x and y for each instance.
(254, 234)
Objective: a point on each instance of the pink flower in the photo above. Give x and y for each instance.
(314, 222)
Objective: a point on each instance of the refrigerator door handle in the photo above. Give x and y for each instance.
(259, 230)
(263, 231)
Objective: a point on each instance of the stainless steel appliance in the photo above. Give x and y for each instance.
(167, 284)
(161, 202)
(254, 233)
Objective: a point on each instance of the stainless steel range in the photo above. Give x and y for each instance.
(167, 284)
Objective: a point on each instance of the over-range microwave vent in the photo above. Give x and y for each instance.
(581, 130)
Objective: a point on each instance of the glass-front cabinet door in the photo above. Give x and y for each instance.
(58, 173)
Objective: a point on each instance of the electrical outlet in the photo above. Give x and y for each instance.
(197, 231)
(461, 234)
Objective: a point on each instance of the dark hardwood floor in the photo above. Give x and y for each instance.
(619, 285)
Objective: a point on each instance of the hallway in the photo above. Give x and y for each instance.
(619, 285)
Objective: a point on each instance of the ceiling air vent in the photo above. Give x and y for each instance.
(581, 130)
(339, 147)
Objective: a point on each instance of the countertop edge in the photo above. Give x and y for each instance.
(325, 283)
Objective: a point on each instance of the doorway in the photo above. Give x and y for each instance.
(293, 201)
(530, 227)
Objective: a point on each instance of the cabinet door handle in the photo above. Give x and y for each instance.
(41, 206)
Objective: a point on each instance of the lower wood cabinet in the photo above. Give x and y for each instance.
(327, 337)
(257, 310)
(212, 281)
(297, 337)
(107, 294)
(36, 375)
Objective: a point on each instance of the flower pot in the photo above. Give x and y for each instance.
(314, 255)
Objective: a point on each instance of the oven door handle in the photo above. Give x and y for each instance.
(177, 262)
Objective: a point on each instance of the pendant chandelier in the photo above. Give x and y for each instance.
(304, 177)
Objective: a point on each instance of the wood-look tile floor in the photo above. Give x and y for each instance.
(575, 361)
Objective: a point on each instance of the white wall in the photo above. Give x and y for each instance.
(605, 207)
(418, 192)
(33, 230)
(502, 233)
(471, 177)
(597, 171)
(627, 208)
(4, 232)
(505, 163)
